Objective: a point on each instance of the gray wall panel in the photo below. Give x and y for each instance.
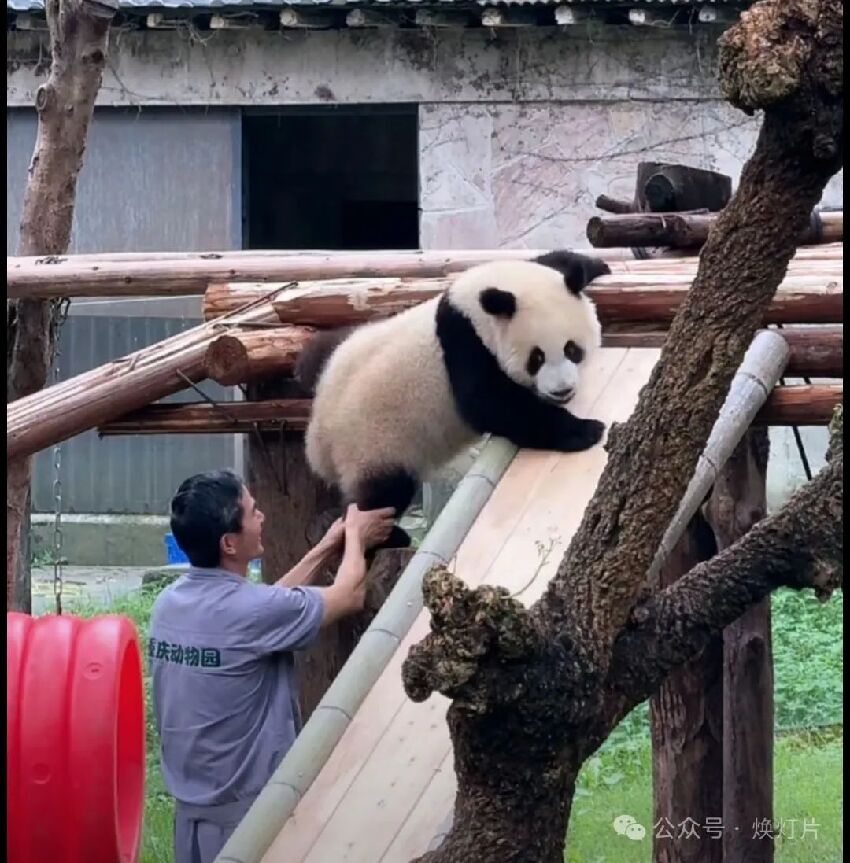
(151, 180)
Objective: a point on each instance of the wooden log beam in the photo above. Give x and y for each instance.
(222, 298)
(615, 205)
(786, 405)
(685, 230)
(226, 297)
(801, 405)
(206, 418)
(99, 259)
(618, 298)
(236, 358)
(130, 274)
(816, 352)
(67, 277)
(107, 392)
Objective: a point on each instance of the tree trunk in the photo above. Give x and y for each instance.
(79, 33)
(515, 786)
(319, 665)
(738, 501)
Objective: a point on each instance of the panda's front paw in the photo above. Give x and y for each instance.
(587, 433)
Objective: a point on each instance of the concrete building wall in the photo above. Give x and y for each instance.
(519, 130)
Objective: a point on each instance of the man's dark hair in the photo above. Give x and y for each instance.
(204, 509)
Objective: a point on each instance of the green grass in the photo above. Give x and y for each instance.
(808, 784)
(808, 663)
(808, 753)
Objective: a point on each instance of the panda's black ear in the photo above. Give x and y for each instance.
(499, 303)
(578, 270)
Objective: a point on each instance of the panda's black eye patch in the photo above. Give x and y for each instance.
(573, 352)
(535, 360)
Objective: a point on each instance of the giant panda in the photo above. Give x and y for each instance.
(499, 352)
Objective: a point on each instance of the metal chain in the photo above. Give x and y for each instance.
(61, 315)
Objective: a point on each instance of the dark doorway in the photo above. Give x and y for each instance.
(331, 178)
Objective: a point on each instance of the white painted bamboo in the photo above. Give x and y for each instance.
(313, 746)
(758, 374)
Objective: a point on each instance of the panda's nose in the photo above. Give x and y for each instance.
(563, 395)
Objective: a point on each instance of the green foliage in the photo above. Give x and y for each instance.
(808, 638)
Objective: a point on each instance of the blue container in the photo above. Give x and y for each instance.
(173, 552)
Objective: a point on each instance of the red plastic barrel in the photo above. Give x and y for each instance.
(75, 744)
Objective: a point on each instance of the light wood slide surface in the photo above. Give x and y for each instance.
(389, 784)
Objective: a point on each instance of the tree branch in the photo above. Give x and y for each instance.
(471, 630)
(652, 456)
(801, 546)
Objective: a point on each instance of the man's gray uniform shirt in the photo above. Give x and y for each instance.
(224, 692)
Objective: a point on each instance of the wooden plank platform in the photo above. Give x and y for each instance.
(389, 783)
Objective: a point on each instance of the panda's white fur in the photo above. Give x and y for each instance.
(384, 398)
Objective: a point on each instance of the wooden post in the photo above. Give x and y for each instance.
(298, 508)
(687, 714)
(738, 501)
(686, 726)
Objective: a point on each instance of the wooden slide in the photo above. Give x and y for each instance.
(388, 786)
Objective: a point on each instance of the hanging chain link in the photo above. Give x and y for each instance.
(61, 315)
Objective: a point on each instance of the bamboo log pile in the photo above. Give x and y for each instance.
(786, 405)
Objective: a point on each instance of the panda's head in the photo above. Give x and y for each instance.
(534, 317)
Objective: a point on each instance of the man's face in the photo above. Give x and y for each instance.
(246, 545)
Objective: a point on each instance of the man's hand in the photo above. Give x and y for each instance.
(371, 526)
(334, 536)
(363, 530)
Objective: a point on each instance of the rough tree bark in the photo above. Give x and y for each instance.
(79, 33)
(535, 692)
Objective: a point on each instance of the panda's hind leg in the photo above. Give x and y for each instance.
(393, 487)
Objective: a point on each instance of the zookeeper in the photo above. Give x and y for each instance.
(220, 651)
